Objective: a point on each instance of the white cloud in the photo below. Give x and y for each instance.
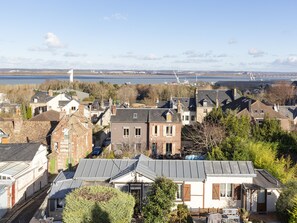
(138, 57)
(193, 54)
(197, 61)
(149, 57)
(115, 16)
(71, 54)
(289, 61)
(232, 41)
(52, 41)
(256, 52)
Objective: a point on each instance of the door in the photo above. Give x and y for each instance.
(136, 193)
(261, 201)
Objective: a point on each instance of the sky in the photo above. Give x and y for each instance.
(233, 35)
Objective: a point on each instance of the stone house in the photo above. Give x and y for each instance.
(206, 100)
(257, 111)
(156, 130)
(23, 171)
(71, 140)
(187, 109)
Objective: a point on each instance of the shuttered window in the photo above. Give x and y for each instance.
(187, 192)
(216, 191)
(236, 191)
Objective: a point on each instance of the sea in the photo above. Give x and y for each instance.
(122, 79)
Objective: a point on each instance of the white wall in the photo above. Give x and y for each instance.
(223, 202)
(196, 195)
(53, 104)
(67, 108)
(271, 200)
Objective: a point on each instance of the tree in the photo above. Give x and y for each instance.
(280, 93)
(160, 200)
(181, 215)
(286, 203)
(98, 204)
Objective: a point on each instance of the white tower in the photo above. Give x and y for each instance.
(70, 72)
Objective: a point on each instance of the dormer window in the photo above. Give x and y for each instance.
(35, 100)
(168, 117)
(134, 115)
(204, 103)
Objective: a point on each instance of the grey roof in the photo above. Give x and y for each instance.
(265, 180)
(18, 151)
(143, 115)
(50, 115)
(210, 96)
(63, 103)
(190, 170)
(41, 96)
(288, 111)
(64, 175)
(239, 104)
(13, 168)
(61, 188)
(188, 104)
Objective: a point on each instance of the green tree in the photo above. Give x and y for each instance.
(98, 204)
(181, 214)
(160, 200)
(293, 212)
(28, 112)
(286, 203)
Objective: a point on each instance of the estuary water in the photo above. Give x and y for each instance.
(117, 79)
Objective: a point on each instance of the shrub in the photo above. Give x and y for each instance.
(98, 204)
(181, 215)
(160, 201)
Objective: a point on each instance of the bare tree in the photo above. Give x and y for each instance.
(204, 136)
(280, 93)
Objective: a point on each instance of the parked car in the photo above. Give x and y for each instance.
(106, 142)
(97, 151)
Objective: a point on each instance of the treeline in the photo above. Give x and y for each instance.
(143, 93)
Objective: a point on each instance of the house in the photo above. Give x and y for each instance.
(257, 111)
(100, 112)
(206, 100)
(289, 112)
(23, 171)
(39, 100)
(155, 129)
(187, 108)
(71, 140)
(78, 95)
(201, 184)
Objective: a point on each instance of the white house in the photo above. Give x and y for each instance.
(201, 184)
(186, 107)
(23, 171)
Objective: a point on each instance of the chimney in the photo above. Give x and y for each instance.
(81, 109)
(234, 93)
(50, 93)
(113, 110)
(250, 105)
(17, 125)
(179, 107)
(196, 92)
(217, 99)
(110, 102)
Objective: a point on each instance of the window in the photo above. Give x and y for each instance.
(73, 108)
(56, 146)
(137, 132)
(192, 118)
(179, 192)
(168, 148)
(134, 115)
(205, 111)
(60, 203)
(126, 132)
(187, 118)
(169, 130)
(156, 130)
(204, 103)
(225, 190)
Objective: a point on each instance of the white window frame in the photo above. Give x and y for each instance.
(126, 130)
(169, 130)
(179, 192)
(226, 189)
(137, 135)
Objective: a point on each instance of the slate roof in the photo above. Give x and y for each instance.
(252, 107)
(41, 96)
(18, 152)
(143, 115)
(190, 170)
(50, 115)
(265, 180)
(210, 96)
(13, 168)
(188, 104)
(288, 111)
(63, 184)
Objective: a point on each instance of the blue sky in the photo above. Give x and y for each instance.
(249, 35)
